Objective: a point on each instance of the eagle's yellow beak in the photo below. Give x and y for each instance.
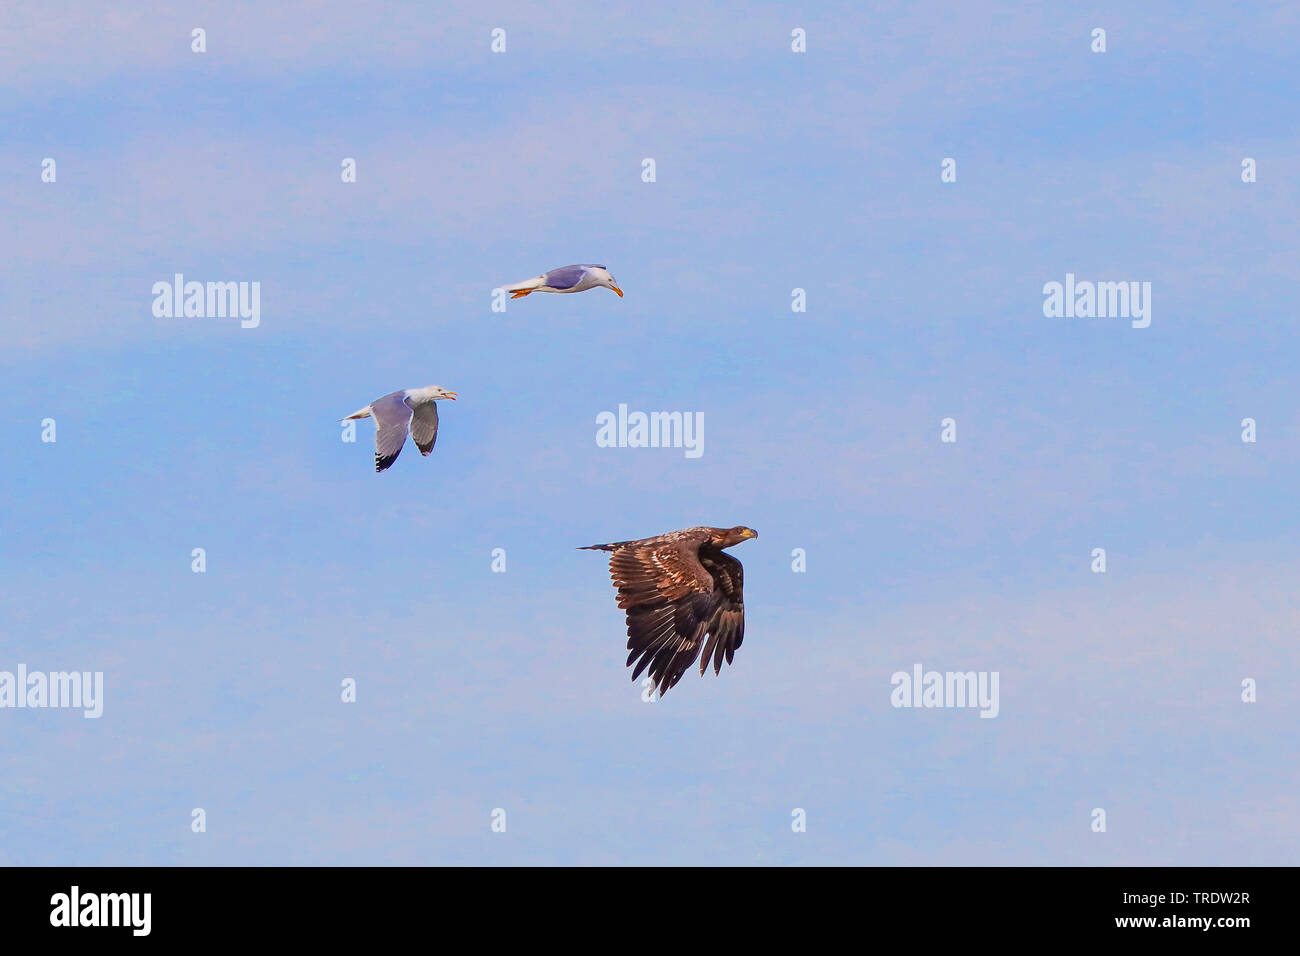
(619, 291)
(750, 533)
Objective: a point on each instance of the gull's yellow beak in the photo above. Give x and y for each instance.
(619, 291)
(452, 396)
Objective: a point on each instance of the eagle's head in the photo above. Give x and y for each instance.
(736, 535)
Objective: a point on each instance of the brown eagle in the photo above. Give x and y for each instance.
(677, 589)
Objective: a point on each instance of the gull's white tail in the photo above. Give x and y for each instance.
(521, 289)
(359, 413)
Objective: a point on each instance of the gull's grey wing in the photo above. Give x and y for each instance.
(392, 418)
(424, 426)
(565, 277)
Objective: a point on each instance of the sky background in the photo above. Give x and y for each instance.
(775, 170)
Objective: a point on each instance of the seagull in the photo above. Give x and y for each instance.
(566, 279)
(413, 409)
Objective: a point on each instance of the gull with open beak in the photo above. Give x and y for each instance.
(411, 409)
(566, 279)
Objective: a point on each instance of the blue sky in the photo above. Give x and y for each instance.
(775, 171)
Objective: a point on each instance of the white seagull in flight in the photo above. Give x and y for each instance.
(413, 409)
(566, 279)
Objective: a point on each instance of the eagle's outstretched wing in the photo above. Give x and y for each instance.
(727, 626)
